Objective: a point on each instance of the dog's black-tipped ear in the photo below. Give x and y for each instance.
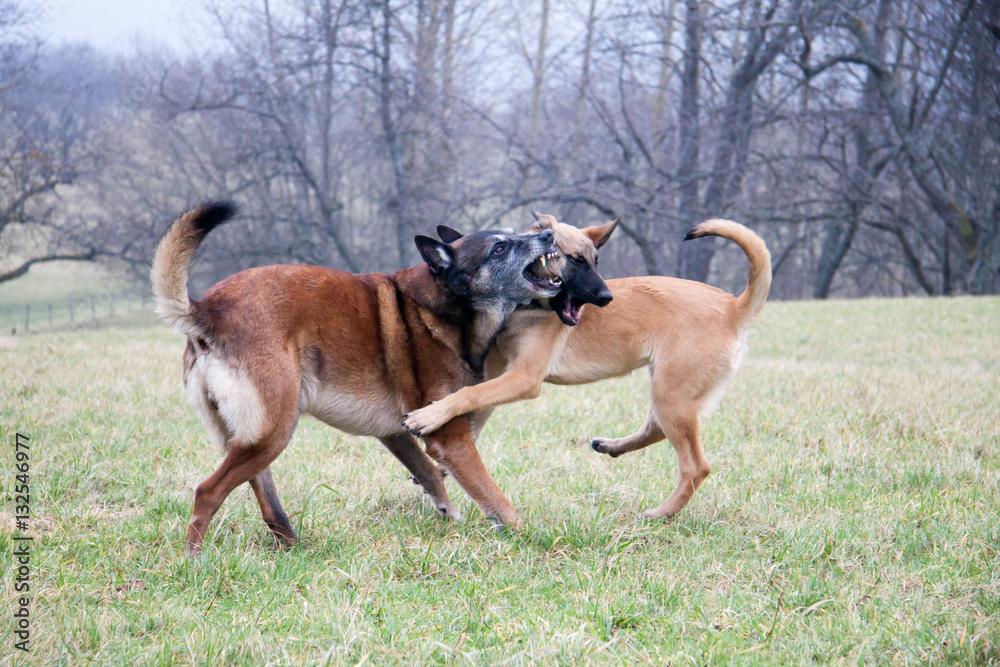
(210, 215)
(447, 234)
(439, 257)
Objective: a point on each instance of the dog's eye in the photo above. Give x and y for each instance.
(499, 249)
(578, 259)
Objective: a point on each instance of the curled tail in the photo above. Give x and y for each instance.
(173, 256)
(751, 301)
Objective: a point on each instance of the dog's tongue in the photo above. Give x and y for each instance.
(570, 312)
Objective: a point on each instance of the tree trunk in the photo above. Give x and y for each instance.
(538, 74)
(399, 199)
(907, 119)
(581, 98)
(666, 69)
(839, 234)
(689, 140)
(836, 243)
(733, 145)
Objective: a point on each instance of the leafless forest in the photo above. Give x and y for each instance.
(860, 138)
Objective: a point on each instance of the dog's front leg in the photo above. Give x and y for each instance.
(517, 384)
(453, 448)
(405, 448)
(524, 366)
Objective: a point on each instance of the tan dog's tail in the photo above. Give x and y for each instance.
(750, 302)
(173, 257)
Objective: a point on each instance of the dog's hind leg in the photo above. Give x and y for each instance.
(682, 431)
(271, 509)
(242, 463)
(262, 427)
(650, 433)
(405, 448)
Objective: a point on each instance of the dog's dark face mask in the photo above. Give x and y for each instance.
(576, 262)
(571, 266)
(581, 285)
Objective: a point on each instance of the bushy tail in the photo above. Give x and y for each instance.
(750, 302)
(173, 257)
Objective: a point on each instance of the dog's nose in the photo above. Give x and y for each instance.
(603, 298)
(546, 236)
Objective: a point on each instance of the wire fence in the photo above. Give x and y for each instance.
(75, 312)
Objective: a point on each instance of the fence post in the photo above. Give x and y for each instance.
(93, 309)
(111, 303)
(27, 315)
(50, 315)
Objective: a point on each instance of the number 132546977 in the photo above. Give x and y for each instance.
(22, 542)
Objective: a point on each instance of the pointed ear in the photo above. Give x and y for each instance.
(600, 234)
(439, 257)
(542, 221)
(447, 234)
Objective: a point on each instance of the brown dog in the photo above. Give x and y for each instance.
(692, 337)
(356, 351)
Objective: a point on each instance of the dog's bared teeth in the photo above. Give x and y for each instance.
(543, 260)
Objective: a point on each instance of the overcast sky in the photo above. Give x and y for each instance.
(115, 25)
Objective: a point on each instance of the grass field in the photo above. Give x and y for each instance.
(851, 516)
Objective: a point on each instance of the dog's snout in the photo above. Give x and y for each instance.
(603, 298)
(546, 236)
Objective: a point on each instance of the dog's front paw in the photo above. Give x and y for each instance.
(449, 512)
(425, 420)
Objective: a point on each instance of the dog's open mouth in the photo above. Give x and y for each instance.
(567, 308)
(544, 281)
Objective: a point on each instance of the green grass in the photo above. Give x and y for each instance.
(851, 516)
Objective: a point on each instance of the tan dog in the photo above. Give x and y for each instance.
(356, 351)
(692, 337)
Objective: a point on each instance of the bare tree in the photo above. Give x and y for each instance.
(50, 108)
(860, 138)
(908, 105)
